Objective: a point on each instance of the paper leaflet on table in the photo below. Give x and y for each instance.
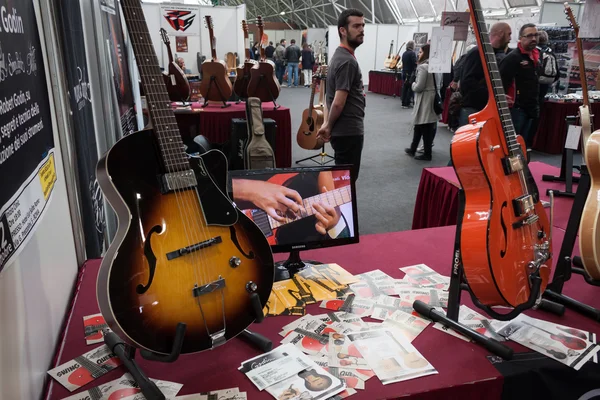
(391, 356)
(314, 338)
(552, 340)
(385, 306)
(275, 366)
(424, 276)
(471, 319)
(373, 284)
(85, 368)
(93, 326)
(408, 324)
(125, 387)
(274, 305)
(330, 280)
(433, 297)
(351, 304)
(322, 360)
(228, 394)
(288, 295)
(313, 383)
(343, 353)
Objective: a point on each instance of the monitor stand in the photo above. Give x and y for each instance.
(286, 269)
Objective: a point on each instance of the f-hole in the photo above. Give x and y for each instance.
(149, 254)
(504, 230)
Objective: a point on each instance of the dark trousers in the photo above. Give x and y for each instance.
(427, 132)
(279, 71)
(522, 124)
(407, 92)
(347, 150)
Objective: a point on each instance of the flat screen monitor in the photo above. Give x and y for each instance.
(299, 209)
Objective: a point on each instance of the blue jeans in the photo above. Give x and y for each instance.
(522, 124)
(463, 118)
(279, 71)
(293, 67)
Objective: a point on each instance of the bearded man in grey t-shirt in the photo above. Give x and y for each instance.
(344, 124)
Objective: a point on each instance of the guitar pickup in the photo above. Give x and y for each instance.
(512, 164)
(195, 247)
(173, 181)
(523, 205)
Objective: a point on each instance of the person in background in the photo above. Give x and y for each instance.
(292, 57)
(308, 61)
(255, 51)
(519, 67)
(546, 81)
(409, 66)
(279, 58)
(181, 64)
(424, 118)
(270, 51)
(473, 87)
(345, 97)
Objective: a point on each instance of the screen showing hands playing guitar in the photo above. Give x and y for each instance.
(298, 206)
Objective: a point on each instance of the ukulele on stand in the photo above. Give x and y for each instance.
(263, 82)
(503, 236)
(185, 266)
(215, 85)
(312, 120)
(589, 227)
(177, 83)
(240, 87)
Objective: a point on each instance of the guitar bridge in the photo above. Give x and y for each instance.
(180, 180)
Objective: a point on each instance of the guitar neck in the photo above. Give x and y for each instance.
(496, 97)
(159, 105)
(312, 97)
(334, 198)
(583, 77)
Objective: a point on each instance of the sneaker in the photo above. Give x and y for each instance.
(404, 106)
(409, 151)
(423, 157)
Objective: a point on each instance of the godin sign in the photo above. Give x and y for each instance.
(11, 23)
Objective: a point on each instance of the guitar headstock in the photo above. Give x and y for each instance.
(208, 22)
(572, 19)
(259, 22)
(164, 36)
(245, 28)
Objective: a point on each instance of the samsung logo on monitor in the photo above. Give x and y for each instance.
(299, 246)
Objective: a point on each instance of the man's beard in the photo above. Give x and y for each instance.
(354, 42)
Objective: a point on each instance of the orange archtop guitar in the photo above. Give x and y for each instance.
(505, 237)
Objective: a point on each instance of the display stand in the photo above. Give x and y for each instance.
(286, 269)
(458, 284)
(325, 158)
(396, 80)
(126, 353)
(566, 169)
(273, 98)
(210, 85)
(564, 265)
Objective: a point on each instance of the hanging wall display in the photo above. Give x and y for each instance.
(180, 20)
(115, 42)
(27, 160)
(84, 133)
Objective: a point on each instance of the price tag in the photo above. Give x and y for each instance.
(573, 135)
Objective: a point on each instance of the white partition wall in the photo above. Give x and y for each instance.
(405, 34)
(365, 54)
(385, 34)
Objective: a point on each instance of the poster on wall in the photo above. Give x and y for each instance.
(80, 101)
(181, 44)
(420, 39)
(460, 22)
(180, 20)
(115, 45)
(440, 53)
(27, 159)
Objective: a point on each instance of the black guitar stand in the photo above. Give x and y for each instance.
(564, 265)
(126, 353)
(275, 105)
(458, 284)
(396, 80)
(325, 158)
(566, 169)
(210, 85)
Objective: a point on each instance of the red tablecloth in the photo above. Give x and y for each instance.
(437, 196)
(464, 371)
(214, 122)
(552, 130)
(385, 82)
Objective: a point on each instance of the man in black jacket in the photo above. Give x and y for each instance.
(520, 67)
(292, 56)
(409, 67)
(472, 85)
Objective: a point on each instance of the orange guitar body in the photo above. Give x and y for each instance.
(495, 255)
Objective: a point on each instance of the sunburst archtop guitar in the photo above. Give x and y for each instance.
(182, 251)
(589, 226)
(505, 237)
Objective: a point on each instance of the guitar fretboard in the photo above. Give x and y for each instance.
(334, 198)
(159, 104)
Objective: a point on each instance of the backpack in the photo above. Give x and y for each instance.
(548, 70)
(259, 154)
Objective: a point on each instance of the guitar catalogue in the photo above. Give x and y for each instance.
(589, 231)
(182, 252)
(505, 237)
